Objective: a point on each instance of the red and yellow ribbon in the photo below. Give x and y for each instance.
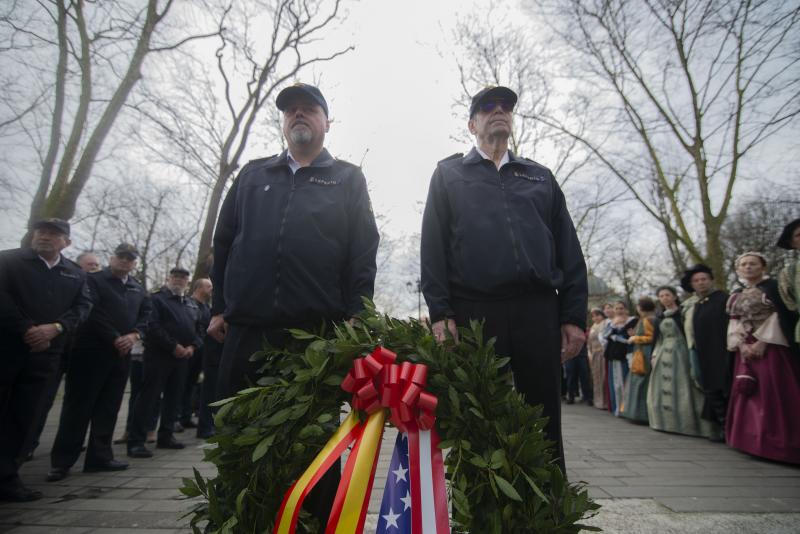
(377, 384)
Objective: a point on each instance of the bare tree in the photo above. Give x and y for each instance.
(756, 223)
(93, 56)
(209, 121)
(682, 93)
(157, 217)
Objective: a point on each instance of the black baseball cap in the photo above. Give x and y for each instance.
(126, 249)
(180, 271)
(60, 225)
(301, 89)
(493, 91)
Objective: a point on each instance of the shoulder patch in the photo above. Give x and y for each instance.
(454, 156)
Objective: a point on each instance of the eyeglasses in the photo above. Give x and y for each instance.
(490, 105)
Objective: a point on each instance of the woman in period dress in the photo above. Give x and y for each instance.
(616, 354)
(762, 412)
(597, 363)
(674, 396)
(641, 343)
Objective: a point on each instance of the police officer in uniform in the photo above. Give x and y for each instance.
(99, 367)
(498, 245)
(43, 297)
(171, 339)
(295, 245)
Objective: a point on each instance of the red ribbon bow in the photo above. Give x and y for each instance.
(376, 382)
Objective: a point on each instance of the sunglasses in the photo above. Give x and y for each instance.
(490, 105)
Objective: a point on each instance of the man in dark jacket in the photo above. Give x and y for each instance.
(295, 242)
(43, 297)
(201, 294)
(294, 246)
(99, 367)
(170, 340)
(499, 245)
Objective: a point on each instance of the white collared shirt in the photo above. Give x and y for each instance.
(51, 265)
(503, 160)
(293, 164)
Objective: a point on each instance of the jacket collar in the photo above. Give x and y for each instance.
(30, 254)
(324, 159)
(473, 156)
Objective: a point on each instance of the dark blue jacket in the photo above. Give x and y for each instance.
(173, 320)
(291, 249)
(490, 234)
(31, 294)
(119, 309)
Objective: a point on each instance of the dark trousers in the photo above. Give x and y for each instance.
(137, 379)
(212, 352)
(236, 372)
(49, 398)
(24, 378)
(528, 331)
(163, 373)
(191, 389)
(577, 370)
(93, 394)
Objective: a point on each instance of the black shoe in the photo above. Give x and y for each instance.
(169, 443)
(188, 423)
(570, 401)
(111, 465)
(139, 451)
(205, 435)
(29, 456)
(177, 428)
(57, 473)
(16, 492)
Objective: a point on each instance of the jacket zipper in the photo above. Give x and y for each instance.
(508, 222)
(279, 259)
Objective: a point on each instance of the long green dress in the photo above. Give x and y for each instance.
(635, 395)
(674, 399)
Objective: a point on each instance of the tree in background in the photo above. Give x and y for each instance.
(83, 60)
(757, 222)
(207, 117)
(682, 95)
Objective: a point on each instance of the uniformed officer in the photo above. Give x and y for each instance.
(498, 245)
(295, 245)
(295, 242)
(171, 339)
(201, 294)
(43, 296)
(99, 367)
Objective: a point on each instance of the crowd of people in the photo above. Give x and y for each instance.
(724, 366)
(97, 328)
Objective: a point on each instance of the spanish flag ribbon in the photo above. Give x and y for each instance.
(378, 384)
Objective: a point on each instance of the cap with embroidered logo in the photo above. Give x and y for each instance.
(60, 225)
(126, 250)
(301, 89)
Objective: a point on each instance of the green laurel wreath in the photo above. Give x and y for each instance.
(499, 466)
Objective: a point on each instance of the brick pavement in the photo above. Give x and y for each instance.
(646, 481)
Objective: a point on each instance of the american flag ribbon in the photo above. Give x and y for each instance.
(415, 498)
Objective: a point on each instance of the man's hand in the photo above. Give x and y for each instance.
(38, 337)
(440, 329)
(180, 351)
(125, 343)
(217, 328)
(572, 339)
(189, 352)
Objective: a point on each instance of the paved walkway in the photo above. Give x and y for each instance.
(646, 481)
